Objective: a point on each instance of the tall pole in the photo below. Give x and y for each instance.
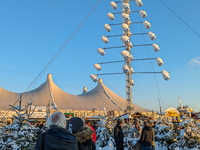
(128, 47)
(160, 106)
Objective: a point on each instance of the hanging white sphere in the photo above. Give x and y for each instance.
(125, 1)
(143, 13)
(132, 83)
(156, 48)
(125, 68)
(131, 56)
(147, 24)
(97, 67)
(151, 35)
(165, 75)
(132, 71)
(125, 6)
(124, 39)
(113, 5)
(124, 26)
(127, 21)
(101, 51)
(94, 77)
(105, 39)
(159, 61)
(139, 3)
(110, 16)
(125, 54)
(107, 27)
(125, 16)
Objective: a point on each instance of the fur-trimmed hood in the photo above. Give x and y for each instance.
(84, 135)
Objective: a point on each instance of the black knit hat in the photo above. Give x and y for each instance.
(75, 125)
(119, 121)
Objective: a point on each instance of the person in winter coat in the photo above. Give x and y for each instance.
(56, 137)
(146, 137)
(136, 131)
(82, 133)
(94, 133)
(118, 135)
(153, 147)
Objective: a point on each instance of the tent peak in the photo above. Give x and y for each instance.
(100, 81)
(84, 89)
(49, 77)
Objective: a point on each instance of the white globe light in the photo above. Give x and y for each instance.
(107, 27)
(143, 13)
(125, 16)
(110, 16)
(101, 51)
(113, 5)
(165, 75)
(156, 48)
(132, 71)
(127, 45)
(105, 39)
(97, 67)
(124, 39)
(147, 24)
(125, 6)
(125, 68)
(131, 57)
(139, 3)
(94, 77)
(159, 61)
(125, 1)
(151, 35)
(132, 83)
(124, 26)
(125, 54)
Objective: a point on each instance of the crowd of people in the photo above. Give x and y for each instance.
(71, 136)
(75, 135)
(146, 136)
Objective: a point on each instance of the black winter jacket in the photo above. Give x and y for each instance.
(119, 137)
(118, 134)
(146, 136)
(57, 139)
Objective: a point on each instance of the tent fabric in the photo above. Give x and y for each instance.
(99, 98)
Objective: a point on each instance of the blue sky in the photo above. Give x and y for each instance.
(31, 32)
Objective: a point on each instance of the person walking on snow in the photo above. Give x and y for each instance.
(119, 135)
(146, 138)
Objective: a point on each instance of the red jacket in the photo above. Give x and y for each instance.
(93, 134)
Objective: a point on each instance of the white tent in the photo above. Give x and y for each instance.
(99, 97)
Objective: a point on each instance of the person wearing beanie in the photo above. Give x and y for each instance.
(82, 133)
(118, 135)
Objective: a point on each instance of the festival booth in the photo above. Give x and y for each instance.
(172, 114)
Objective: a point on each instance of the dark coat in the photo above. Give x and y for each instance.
(146, 137)
(84, 138)
(57, 139)
(119, 137)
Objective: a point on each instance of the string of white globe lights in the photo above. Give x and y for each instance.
(150, 60)
(126, 54)
(53, 59)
